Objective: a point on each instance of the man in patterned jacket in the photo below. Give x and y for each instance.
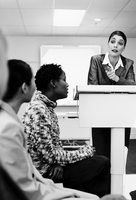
(79, 169)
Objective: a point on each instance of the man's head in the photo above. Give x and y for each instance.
(46, 74)
(50, 78)
(3, 65)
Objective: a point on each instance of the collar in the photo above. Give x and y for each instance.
(5, 106)
(107, 61)
(38, 96)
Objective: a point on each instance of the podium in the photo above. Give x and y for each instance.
(109, 106)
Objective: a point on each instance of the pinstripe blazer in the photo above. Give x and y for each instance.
(98, 76)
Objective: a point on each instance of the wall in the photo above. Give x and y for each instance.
(28, 49)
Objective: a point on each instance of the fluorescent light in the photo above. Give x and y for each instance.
(97, 20)
(68, 17)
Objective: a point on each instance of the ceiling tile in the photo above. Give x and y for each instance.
(131, 6)
(10, 17)
(36, 3)
(110, 5)
(107, 31)
(72, 4)
(90, 31)
(38, 30)
(14, 30)
(8, 4)
(106, 16)
(124, 19)
(64, 31)
(37, 17)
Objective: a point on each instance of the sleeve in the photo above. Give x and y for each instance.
(129, 79)
(93, 71)
(41, 136)
(15, 161)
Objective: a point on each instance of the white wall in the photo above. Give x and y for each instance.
(28, 49)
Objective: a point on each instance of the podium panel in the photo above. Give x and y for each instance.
(109, 106)
(107, 110)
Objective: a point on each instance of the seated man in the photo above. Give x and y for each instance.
(80, 169)
(14, 158)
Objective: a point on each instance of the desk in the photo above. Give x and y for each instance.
(109, 106)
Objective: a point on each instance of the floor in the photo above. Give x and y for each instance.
(129, 184)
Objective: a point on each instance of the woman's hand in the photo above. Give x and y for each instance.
(111, 75)
(56, 172)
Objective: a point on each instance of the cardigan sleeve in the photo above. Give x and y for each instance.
(44, 144)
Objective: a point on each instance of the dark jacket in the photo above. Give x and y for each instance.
(98, 76)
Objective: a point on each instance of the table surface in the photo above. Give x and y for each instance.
(130, 89)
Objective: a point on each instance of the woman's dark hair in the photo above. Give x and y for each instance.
(45, 74)
(19, 72)
(119, 33)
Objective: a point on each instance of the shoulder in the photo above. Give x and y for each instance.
(35, 107)
(10, 128)
(98, 57)
(7, 119)
(36, 111)
(127, 61)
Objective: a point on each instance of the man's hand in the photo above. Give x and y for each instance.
(56, 172)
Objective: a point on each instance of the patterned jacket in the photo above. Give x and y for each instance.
(43, 136)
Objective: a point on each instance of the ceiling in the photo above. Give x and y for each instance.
(35, 17)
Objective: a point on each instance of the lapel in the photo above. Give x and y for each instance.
(121, 70)
(118, 72)
(103, 67)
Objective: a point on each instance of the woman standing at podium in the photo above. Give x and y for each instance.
(110, 69)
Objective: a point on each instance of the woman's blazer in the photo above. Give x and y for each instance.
(98, 76)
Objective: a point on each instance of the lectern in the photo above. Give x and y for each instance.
(109, 106)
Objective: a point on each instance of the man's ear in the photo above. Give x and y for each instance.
(24, 88)
(53, 83)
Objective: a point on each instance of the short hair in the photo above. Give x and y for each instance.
(119, 33)
(45, 74)
(19, 72)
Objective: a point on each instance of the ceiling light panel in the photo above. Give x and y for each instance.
(68, 17)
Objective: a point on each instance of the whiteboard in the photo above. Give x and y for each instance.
(74, 60)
